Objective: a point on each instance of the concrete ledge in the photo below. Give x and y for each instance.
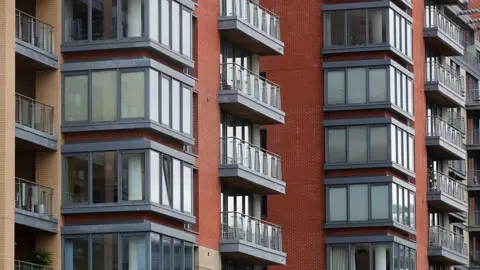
(368, 48)
(239, 32)
(442, 95)
(253, 252)
(240, 176)
(44, 58)
(127, 207)
(444, 149)
(36, 221)
(386, 164)
(36, 137)
(262, 112)
(369, 224)
(125, 44)
(119, 125)
(441, 255)
(435, 37)
(372, 106)
(445, 202)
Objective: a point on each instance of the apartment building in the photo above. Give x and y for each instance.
(139, 137)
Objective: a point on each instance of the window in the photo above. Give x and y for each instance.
(379, 143)
(379, 197)
(357, 144)
(186, 33)
(336, 87)
(104, 253)
(335, 28)
(177, 255)
(356, 31)
(336, 145)
(400, 33)
(377, 26)
(403, 206)
(165, 21)
(76, 253)
(187, 189)
(356, 85)
(76, 98)
(176, 105)
(339, 257)
(187, 110)
(377, 83)
(103, 24)
(360, 254)
(402, 148)
(337, 207)
(134, 246)
(104, 173)
(167, 253)
(133, 94)
(133, 176)
(176, 27)
(104, 95)
(358, 206)
(77, 179)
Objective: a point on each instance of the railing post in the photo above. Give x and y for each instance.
(32, 113)
(52, 201)
(32, 31)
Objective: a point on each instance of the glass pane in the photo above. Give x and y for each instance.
(75, 13)
(339, 257)
(165, 29)
(175, 26)
(336, 145)
(104, 95)
(154, 176)
(412, 209)
(377, 26)
(104, 173)
(76, 98)
(133, 177)
(356, 30)
(187, 189)
(381, 256)
(357, 85)
(395, 256)
(337, 204)
(176, 105)
(77, 179)
(357, 143)
(379, 202)
(188, 257)
(165, 101)
(177, 255)
(167, 253)
(156, 249)
(394, 202)
(187, 111)
(133, 94)
(76, 253)
(104, 20)
(400, 205)
(134, 252)
(358, 204)
(335, 34)
(186, 33)
(336, 87)
(177, 184)
(393, 146)
(360, 254)
(105, 250)
(167, 181)
(378, 143)
(377, 83)
(133, 18)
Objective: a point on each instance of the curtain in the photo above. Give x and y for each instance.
(68, 255)
(339, 259)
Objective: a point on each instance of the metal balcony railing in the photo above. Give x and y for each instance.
(254, 14)
(20, 265)
(437, 126)
(238, 226)
(438, 181)
(441, 237)
(34, 31)
(473, 97)
(474, 219)
(236, 151)
(33, 197)
(458, 166)
(470, 59)
(33, 114)
(234, 77)
(436, 72)
(473, 177)
(435, 18)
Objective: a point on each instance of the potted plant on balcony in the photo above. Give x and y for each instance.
(42, 257)
(40, 206)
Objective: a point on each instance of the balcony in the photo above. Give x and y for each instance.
(251, 240)
(34, 124)
(34, 43)
(446, 247)
(445, 193)
(443, 85)
(250, 27)
(444, 139)
(249, 96)
(441, 34)
(250, 167)
(34, 206)
(457, 168)
(20, 265)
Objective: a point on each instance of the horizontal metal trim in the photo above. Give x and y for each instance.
(369, 224)
(368, 239)
(368, 106)
(127, 63)
(367, 165)
(231, 22)
(368, 62)
(367, 121)
(368, 180)
(367, 5)
(127, 227)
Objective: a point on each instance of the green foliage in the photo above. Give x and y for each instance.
(42, 257)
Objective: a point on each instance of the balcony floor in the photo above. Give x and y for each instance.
(440, 94)
(443, 202)
(34, 140)
(443, 149)
(443, 256)
(36, 221)
(29, 56)
(441, 42)
(242, 177)
(251, 253)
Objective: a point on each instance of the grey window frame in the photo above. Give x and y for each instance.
(371, 240)
(148, 246)
(387, 181)
(180, 25)
(389, 65)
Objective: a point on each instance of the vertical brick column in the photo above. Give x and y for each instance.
(7, 133)
(48, 164)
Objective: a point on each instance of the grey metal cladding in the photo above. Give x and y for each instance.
(368, 121)
(128, 63)
(368, 63)
(36, 137)
(369, 179)
(126, 145)
(37, 221)
(369, 239)
(127, 227)
(30, 51)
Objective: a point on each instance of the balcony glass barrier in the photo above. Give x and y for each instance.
(437, 126)
(236, 151)
(470, 59)
(237, 78)
(20, 265)
(439, 236)
(438, 181)
(458, 166)
(434, 18)
(435, 72)
(33, 114)
(32, 197)
(34, 31)
(238, 226)
(254, 14)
